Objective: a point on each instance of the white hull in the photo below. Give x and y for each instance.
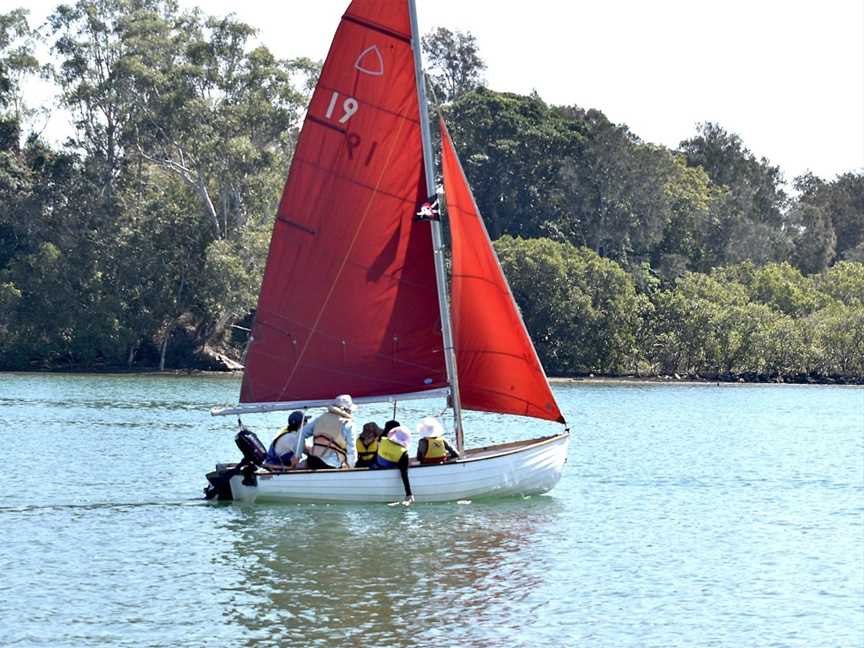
(521, 468)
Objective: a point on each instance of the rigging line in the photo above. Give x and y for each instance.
(490, 351)
(326, 124)
(385, 167)
(487, 280)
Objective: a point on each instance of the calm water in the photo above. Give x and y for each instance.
(687, 516)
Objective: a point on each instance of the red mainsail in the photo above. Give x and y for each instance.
(499, 370)
(348, 302)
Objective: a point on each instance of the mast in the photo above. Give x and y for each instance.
(437, 244)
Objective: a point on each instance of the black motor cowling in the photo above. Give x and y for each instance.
(250, 445)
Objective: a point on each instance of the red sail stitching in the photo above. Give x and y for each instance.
(375, 27)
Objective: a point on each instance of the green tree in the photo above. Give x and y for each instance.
(218, 113)
(691, 196)
(16, 59)
(843, 202)
(815, 242)
(703, 325)
(676, 331)
(843, 282)
(581, 310)
(88, 42)
(58, 263)
(612, 190)
(751, 223)
(454, 62)
(839, 339)
(511, 147)
(785, 345)
(782, 287)
(188, 124)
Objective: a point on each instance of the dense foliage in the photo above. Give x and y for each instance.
(140, 242)
(151, 225)
(587, 316)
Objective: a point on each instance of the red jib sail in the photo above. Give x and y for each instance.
(348, 302)
(499, 370)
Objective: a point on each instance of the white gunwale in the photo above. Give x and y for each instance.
(489, 452)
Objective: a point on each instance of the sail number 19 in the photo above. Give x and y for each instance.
(349, 107)
(352, 140)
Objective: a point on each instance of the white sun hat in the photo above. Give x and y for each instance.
(344, 402)
(429, 427)
(400, 435)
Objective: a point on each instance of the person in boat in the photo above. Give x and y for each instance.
(367, 445)
(333, 437)
(393, 453)
(284, 445)
(433, 447)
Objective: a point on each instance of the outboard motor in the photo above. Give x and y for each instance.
(250, 445)
(254, 455)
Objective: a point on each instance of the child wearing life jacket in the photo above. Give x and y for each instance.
(433, 447)
(367, 445)
(393, 453)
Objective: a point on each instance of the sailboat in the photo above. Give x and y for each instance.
(354, 294)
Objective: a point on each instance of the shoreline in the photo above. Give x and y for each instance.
(671, 380)
(674, 379)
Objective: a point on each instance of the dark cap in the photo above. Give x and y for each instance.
(295, 419)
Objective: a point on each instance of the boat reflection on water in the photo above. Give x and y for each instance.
(376, 575)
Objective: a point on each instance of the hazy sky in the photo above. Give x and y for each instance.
(786, 75)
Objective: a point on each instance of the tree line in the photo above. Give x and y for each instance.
(769, 322)
(140, 241)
